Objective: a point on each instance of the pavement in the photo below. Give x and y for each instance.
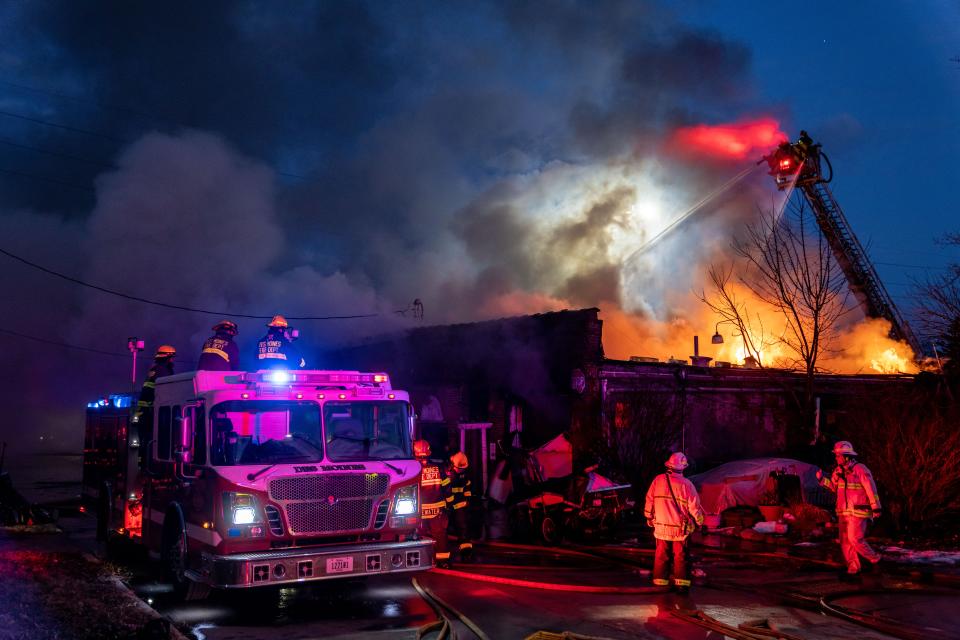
(734, 587)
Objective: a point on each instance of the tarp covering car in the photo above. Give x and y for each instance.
(743, 482)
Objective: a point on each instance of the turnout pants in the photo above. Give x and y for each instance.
(435, 527)
(675, 552)
(853, 542)
(458, 520)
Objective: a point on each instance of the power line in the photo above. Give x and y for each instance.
(58, 154)
(30, 176)
(168, 305)
(64, 344)
(101, 134)
(47, 123)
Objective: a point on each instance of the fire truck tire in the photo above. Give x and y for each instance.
(104, 513)
(173, 559)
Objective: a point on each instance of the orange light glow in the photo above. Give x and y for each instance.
(735, 140)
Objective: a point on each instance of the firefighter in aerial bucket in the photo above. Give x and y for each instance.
(673, 511)
(434, 487)
(276, 350)
(162, 366)
(857, 505)
(220, 352)
(458, 501)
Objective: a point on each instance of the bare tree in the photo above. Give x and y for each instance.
(789, 267)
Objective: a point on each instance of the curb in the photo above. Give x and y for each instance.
(134, 599)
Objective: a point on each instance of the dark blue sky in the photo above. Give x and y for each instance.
(490, 158)
(875, 82)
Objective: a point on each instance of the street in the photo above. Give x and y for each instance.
(599, 592)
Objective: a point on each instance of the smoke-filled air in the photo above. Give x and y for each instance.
(488, 159)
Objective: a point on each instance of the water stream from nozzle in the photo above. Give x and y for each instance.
(726, 186)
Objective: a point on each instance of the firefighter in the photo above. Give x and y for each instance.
(220, 352)
(673, 512)
(458, 499)
(433, 511)
(857, 505)
(162, 366)
(275, 350)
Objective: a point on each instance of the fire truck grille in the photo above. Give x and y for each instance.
(330, 503)
(322, 517)
(342, 486)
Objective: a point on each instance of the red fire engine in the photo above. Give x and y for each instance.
(262, 478)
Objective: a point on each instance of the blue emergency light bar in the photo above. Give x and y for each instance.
(116, 401)
(283, 377)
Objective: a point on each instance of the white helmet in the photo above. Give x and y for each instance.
(844, 448)
(677, 461)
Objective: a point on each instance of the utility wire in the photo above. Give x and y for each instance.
(100, 134)
(56, 125)
(30, 176)
(64, 344)
(57, 154)
(171, 306)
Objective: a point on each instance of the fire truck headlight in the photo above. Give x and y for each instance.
(244, 515)
(240, 508)
(406, 501)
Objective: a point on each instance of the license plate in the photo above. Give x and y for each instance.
(340, 565)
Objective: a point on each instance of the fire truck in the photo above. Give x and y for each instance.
(261, 478)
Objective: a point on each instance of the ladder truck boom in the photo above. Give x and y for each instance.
(800, 164)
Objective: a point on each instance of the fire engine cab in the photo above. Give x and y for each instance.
(262, 478)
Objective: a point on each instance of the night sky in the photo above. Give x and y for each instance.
(489, 158)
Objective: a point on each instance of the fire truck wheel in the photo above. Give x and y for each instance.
(173, 558)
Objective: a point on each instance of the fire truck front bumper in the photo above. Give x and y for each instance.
(284, 566)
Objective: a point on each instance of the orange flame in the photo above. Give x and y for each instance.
(735, 140)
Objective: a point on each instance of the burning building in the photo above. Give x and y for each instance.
(524, 380)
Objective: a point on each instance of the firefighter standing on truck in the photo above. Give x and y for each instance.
(458, 499)
(673, 511)
(857, 505)
(433, 514)
(275, 350)
(162, 366)
(220, 352)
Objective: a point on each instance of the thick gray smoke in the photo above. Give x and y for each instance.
(340, 158)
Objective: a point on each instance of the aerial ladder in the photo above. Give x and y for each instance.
(799, 164)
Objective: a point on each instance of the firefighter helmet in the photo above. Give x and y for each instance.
(226, 326)
(278, 322)
(165, 351)
(421, 449)
(677, 461)
(844, 448)
(459, 461)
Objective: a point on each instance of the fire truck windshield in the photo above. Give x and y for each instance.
(265, 432)
(366, 431)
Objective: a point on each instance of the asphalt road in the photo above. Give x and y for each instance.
(734, 591)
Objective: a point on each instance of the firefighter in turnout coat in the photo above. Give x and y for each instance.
(433, 511)
(220, 352)
(857, 505)
(162, 366)
(458, 499)
(673, 511)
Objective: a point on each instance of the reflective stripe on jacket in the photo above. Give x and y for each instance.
(432, 490)
(855, 489)
(220, 353)
(459, 490)
(673, 519)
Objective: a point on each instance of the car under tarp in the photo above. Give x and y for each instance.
(742, 483)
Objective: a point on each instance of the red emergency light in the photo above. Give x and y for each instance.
(785, 163)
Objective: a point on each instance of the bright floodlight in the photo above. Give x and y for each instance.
(278, 377)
